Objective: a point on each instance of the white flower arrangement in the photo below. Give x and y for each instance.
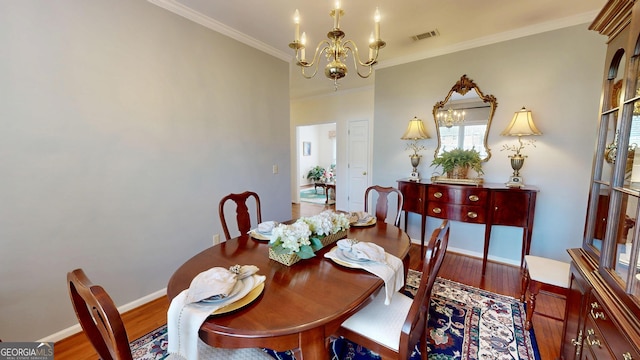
(303, 236)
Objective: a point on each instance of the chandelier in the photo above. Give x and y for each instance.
(336, 50)
(449, 118)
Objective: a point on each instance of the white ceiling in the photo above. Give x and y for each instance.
(461, 24)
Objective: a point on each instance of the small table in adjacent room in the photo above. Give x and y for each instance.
(326, 187)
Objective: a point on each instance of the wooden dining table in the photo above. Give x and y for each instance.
(301, 305)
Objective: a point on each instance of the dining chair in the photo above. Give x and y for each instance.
(102, 323)
(382, 202)
(394, 330)
(243, 218)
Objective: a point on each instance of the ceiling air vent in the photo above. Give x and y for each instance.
(426, 35)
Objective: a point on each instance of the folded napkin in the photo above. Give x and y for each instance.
(362, 250)
(361, 217)
(185, 316)
(390, 268)
(266, 227)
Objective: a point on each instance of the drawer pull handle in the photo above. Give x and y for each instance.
(437, 210)
(472, 215)
(596, 342)
(596, 315)
(474, 197)
(437, 195)
(627, 356)
(577, 344)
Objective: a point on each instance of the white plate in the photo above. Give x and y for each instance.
(349, 256)
(236, 289)
(345, 263)
(258, 236)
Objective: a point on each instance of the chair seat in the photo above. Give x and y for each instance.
(376, 312)
(548, 271)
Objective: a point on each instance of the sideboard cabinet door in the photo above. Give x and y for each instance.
(513, 207)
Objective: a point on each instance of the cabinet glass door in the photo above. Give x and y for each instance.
(606, 156)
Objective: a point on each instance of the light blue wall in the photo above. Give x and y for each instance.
(122, 126)
(558, 76)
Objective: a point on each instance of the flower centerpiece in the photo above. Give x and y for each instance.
(290, 243)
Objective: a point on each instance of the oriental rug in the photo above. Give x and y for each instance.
(465, 323)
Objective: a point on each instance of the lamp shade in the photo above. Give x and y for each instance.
(415, 130)
(521, 125)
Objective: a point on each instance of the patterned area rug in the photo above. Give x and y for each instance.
(465, 323)
(319, 197)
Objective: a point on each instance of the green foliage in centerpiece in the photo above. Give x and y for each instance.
(304, 237)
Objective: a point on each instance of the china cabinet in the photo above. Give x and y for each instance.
(603, 304)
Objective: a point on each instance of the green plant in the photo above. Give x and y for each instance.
(316, 173)
(448, 160)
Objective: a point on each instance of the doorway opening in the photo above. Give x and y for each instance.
(317, 156)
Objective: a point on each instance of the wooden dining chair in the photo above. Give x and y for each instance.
(382, 202)
(243, 218)
(99, 317)
(394, 330)
(102, 323)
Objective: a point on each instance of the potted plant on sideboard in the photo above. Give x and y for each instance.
(457, 162)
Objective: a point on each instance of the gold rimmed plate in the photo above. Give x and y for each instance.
(240, 303)
(336, 259)
(371, 222)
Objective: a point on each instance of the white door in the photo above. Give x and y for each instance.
(358, 167)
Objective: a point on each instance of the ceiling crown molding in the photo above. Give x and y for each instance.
(199, 18)
(496, 38)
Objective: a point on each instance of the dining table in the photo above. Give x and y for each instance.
(301, 305)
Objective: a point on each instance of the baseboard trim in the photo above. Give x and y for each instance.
(476, 254)
(72, 330)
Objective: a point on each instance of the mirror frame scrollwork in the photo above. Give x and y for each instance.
(462, 87)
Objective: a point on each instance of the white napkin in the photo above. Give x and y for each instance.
(184, 318)
(266, 227)
(391, 269)
(361, 217)
(215, 281)
(362, 250)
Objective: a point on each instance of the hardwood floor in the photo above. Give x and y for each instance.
(500, 278)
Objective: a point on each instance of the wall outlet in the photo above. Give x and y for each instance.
(216, 239)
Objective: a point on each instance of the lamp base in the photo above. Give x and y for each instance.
(515, 181)
(415, 176)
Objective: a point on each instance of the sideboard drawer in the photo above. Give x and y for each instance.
(465, 213)
(463, 195)
(601, 333)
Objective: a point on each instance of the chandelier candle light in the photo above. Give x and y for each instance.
(415, 132)
(521, 125)
(449, 118)
(336, 49)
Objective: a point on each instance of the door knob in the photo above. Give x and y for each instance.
(364, 173)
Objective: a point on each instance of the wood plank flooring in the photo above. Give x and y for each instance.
(500, 278)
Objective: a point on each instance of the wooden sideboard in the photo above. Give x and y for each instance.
(489, 204)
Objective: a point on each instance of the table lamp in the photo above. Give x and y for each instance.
(415, 132)
(521, 125)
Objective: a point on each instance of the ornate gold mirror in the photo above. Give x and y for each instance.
(463, 118)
